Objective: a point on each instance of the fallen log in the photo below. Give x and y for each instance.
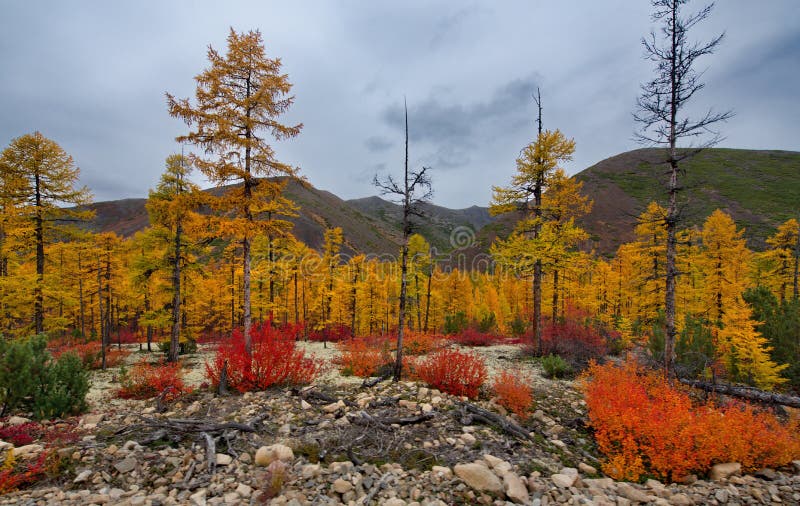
(749, 393)
(371, 382)
(473, 413)
(385, 423)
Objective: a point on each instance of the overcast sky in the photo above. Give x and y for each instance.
(92, 76)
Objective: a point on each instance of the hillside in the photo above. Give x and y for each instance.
(760, 189)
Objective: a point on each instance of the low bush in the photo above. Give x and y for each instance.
(474, 337)
(361, 358)
(32, 380)
(646, 426)
(185, 346)
(555, 366)
(19, 474)
(574, 341)
(419, 343)
(90, 353)
(453, 371)
(274, 360)
(146, 380)
(513, 392)
(331, 334)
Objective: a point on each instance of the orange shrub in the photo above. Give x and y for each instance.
(643, 424)
(453, 371)
(513, 392)
(146, 380)
(419, 343)
(359, 358)
(90, 353)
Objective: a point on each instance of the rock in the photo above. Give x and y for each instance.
(126, 465)
(310, 471)
(268, 454)
(767, 474)
(112, 449)
(422, 392)
(563, 480)
(244, 490)
(4, 445)
(82, 476)
(17, 420)
(634, 494)
(341, 486)
(586, 468)
(721, 471)
(796, 465)
(93, 419)
(426, 408)
(394, 501)
(410, 405)
(569, 471)
(304, 405)
(27, 451)
(468, 438)
(231, 498)
(445, 472)
(223, 459)
(198, 498)
(721, 496)
(598, 483)
(245, 458)
(681, 500)
(515, 488)
(333, 407)
(479, 477)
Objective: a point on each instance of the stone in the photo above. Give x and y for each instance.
(569, 471)
(726, 470)
(515, 488)
(445, 472)
(468, 438)
(479, 477)
(231, 498)
(224, 459)
(333, 407)
(410, 405)
(767, 474)
(633, 494)
(586, 468)
(27, 451)
(244, 490)
(82, 476)
(598, 483)
(422, 392)
(426, 408)
(721, 496)
(126, 465)
(341, 486)
(304, 405)
(394, 501)
(268, 454)
(5, 445)
(93, 419)
(310, 471)
(563, 480)
(17, 420)
(198, 498)
(681, 500)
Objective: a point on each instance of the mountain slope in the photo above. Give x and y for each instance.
(760, 189)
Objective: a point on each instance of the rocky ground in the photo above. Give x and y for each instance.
(341, 443)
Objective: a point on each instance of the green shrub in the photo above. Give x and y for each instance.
(555, 366)
(185, 346)
(455, 323)
(31, 380)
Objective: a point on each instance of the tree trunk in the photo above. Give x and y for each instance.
(795, 288)
(428, 296)
(174, 342)
(147, 309)
(555, 296)
(354, 302)
(38, 302)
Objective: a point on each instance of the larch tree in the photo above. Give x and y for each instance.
(665, 121)
(39, 178)
(785, 247)
(238, 102)
(172, 206)
(535, 166)
(414, 189)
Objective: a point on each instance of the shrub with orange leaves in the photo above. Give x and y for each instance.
(419, 343)
(146, 380)
(90, 352)
(361, 358)
(645, 425)
(513, 392)
(274, 360)
(453, 371)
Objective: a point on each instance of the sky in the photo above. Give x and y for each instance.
(92, 75)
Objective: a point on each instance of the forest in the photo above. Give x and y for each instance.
(217, 283)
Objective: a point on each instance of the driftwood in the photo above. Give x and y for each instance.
(749, 393)
(472, 413)
(311, 395)
(386, 401)
(211, 453)
(385, 423)
(222, 389)
(385, 479)
(371, 382)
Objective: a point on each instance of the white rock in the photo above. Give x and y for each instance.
(27, 451)
(267, 454)
(726, 470)
(341, 486)
(394, 501)
(17, 420)
(515, 488)
(479, 477)
(468, 438)
(244, 490)
(445, 472)
(334, 407)
(570, 471)
(126, 465)
(563, 480)
(310, 471)
(82, 476)
(634, 494)
(5, 445)
(198, 498)
(423, 392)
(224, 459)
(304, 405)
(586, 468)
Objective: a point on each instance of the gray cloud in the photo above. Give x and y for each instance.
(376, 143)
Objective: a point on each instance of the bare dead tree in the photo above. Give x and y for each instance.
(414, 189)
(664, 121)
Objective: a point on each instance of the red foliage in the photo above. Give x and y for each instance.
(574, 341)
(645, 425)
(90, 353)
(474, 337)
(419, 343)
(453, 371)
(275, 360)
(514, 392)
(332, 334)
(362, 358)
(146, 380)
(24, 473)
(126, 336)
(21, 435)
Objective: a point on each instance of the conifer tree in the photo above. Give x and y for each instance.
(238, 102)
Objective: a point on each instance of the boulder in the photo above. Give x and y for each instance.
(726, 470)
(27, 451)
(341, 486)
(479, 478)
(515, 488)
(564, 480)
(268, 454)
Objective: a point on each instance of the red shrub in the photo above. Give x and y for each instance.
(419, 343)
(21, 474)
(452, 371)
(514, 392)
(146, 380)
(126, 336)
(331, 333)
(90, 353)
(360, 358)
(573, 341)
(274, 361)
(21, 435)
(643, 424)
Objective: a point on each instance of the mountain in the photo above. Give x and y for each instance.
(760, 189)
